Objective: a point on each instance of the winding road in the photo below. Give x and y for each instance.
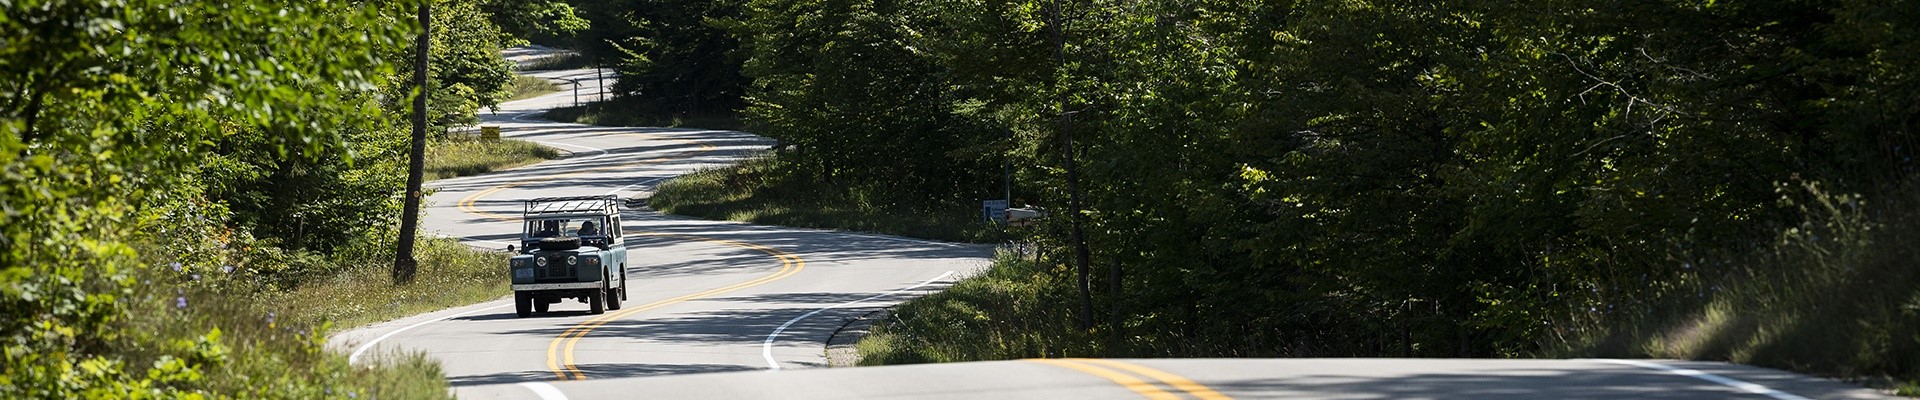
(731, 310)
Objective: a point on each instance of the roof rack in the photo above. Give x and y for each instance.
(607, 204)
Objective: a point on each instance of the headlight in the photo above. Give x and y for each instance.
(571, 260)
(518, 263)
(540, 261)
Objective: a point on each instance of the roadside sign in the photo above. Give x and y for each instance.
(490, 133)
(994, 211)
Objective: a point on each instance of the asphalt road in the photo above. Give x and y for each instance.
(729, 310)
(706, 297)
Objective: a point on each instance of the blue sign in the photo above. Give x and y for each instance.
(994, 211)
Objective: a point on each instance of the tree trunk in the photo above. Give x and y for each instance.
(403, 263)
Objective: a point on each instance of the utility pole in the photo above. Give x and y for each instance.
(1079, 239)
(404, 265)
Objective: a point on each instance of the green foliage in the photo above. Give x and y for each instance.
(673, 56)
(1358, 178)
(170, 168)
(765, 190)
(106, 105)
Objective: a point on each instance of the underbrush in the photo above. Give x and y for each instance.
(1834, 296)
(228, 316)
(449, 158)
(1837, 295)
(764, 190)
(1009, 311)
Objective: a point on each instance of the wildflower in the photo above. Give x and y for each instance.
(226, 269)
(180, 302)
(196, 277)
(176, 266)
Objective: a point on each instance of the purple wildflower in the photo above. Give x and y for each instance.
(196, 277)
(176, 266)
(180, 302)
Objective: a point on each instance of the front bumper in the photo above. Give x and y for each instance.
(555, 286)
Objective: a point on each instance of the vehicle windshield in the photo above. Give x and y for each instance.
(574, 226)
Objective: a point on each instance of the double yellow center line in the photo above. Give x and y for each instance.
(560, 358)
(560, 352)
(1135, 377)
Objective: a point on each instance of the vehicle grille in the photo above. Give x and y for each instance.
(556, 269)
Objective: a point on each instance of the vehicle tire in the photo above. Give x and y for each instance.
(558, 243)
(613, 299)
(522, 304)
(623, 283)
(540, 305)
(597, 301)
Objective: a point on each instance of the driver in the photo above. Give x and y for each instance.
(587, 229)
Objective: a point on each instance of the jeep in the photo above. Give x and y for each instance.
(570, 248)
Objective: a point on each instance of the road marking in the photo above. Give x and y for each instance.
(560, 358)
(544, 390)
(1744, 386)
(369, 344)
(467, 204)
(638, 184)
(1178, 382)
(766, 347)
(1127, 381)
(558, 144)
(525, 114)
(907, 240)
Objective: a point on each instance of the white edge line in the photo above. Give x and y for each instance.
(369, 344)
(602, 152)
(544, 390)
(766, 347)
(1744, 386)
(624, 188)
(901, 239)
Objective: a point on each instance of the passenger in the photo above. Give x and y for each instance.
(587, 229)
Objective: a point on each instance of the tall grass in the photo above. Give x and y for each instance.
(764, 190)
(449, 158)
(1838, 295)
(246, 329)
(527, 87)
(1010, 311)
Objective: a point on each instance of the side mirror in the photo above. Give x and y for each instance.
(509, 248)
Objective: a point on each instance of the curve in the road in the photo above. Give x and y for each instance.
(789, 264)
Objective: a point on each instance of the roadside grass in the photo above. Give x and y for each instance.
(625, 112)
(1837, 296)
(762, 190)
(527, 87)
(247, 329)
(1009, 311)
(449, 158)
